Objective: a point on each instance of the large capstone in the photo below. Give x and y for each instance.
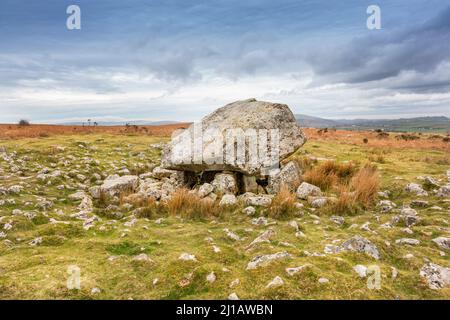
(248, 136)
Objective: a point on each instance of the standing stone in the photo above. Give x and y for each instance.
(249, 184)
(224, 183)
(288, 176)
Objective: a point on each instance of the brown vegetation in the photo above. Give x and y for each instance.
(190, 206)
(328, 174)
(359, 193)
(377, 139)
(14, 131)
(283, 204)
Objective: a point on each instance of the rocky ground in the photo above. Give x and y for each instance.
(80, 200)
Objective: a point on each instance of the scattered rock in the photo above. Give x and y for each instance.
(338, 220)
(416, 189)
(293, 271)
(442, 242)
(317, 202)
(323, 280)
(233, 296)
(142, 257)
(408, 241)
(187, 257)
(211, 277)
(263, 260)
(228, 200)
(305, 190)
(235, 283)
(444, 191)
(249, 211)
(95, 290)
(264, 237)
(360, 270)
(115, 184)
(257, 200)
(358, 244)
(437, 277)
(386, 206)
(276, 282)
(230, 234)
(205, 189)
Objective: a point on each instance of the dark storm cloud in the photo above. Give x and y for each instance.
(384, 54)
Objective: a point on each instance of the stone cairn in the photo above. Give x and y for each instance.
(235, 152)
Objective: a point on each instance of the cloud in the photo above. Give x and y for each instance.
(179, 60)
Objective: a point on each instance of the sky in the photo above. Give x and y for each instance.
(181, 59)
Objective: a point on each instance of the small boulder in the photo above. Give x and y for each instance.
(306, 189)
(442, 242)
(276, 282)
(224, 183)
(288, 176)
(416, 189)
(436, 276)
(228, 200)
(263, 260)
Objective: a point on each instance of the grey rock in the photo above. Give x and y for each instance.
(276, 282)
(408, 241)
(205, 189)
(224, 183)
(228, 200)
(113, 185)
(360, 244)
(442, 242)
(416, 189)
(289, 176)
(263, 260)
(437, 277)
(386, 206)
(444, 191)
(306, 189)
(246, 114)
(338, 220)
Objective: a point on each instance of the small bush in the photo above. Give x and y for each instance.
(407, 137)
(24, 123)
(365, 140)
(382, 135)
(283, 204)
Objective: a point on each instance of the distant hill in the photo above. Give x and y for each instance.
(122, 123)
(315, 122)
(418, 124)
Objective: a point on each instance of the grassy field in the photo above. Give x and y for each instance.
(105, 254)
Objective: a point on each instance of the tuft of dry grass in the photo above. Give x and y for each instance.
(360, 193)
(329, 174)
(283, 204)
(366, 184)
(190, 206)
(149, 208)
(304, 163)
